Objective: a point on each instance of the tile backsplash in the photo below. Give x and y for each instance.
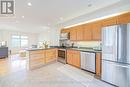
(87, 44)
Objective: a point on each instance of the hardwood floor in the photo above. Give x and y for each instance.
(11, 64)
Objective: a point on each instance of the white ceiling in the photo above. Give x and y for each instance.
(45, 13)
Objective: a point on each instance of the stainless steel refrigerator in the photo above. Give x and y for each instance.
(116, 55)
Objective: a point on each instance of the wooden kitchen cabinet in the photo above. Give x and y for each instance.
(124, 18)
(109, 21)
(65, 30)
(73, 34)
(87, 32)
(96, 31)
(76, 59)
(70, 57)
(92, 31)
(80, 33)
(51, 55)
(98, 64)
(36, 58)
(73, 58)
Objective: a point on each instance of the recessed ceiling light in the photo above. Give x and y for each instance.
(48, 24)
(29, 4)
(22, 16)
(61, 18)
(17, 21)
(89, 5)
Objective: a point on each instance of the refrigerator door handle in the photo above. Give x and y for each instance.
(117, 42)
(122, 40)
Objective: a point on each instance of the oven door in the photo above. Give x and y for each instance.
(62, 55)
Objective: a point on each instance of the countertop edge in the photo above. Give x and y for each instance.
(85, 50)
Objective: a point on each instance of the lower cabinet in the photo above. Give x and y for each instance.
(41, 57)
(98, 64)
(73, 58)
(50, 55)
(38, 58)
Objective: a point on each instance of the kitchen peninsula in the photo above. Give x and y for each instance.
(39, 57)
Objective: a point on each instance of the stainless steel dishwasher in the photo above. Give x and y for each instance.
(88, 61)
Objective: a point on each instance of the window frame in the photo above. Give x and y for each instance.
(20, 38)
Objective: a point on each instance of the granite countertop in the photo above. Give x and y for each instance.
(83, 49)
(86, 50)
(36, 49)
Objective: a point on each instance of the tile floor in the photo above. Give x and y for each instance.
(51, 75)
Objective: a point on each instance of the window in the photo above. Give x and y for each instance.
(15, 41)
(24, 41)
(19, 41)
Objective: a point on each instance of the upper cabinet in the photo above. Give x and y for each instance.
(96, 31)
(87, 32)
(73, 34)
(109, 21)
(65, 30)
(92, 31)
(80, 31)
(124, 18)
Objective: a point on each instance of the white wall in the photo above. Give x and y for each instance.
(5, 35)
(87, 44)
(50, 35)
(124, 5)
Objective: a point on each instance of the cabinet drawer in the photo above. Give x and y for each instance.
(50, 59)
(36, 63)
(36, 52)
(38, 60)
(37, 56)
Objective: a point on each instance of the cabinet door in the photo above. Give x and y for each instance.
(44, 56)
(96, 31)
(87, 32)
(73, 34)
(50, 55)
(79, 33)
(65, 30)
(124, 18)
(36, 59)
(69, 57)
(76, 59)
(98, 64)
(109, 21)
